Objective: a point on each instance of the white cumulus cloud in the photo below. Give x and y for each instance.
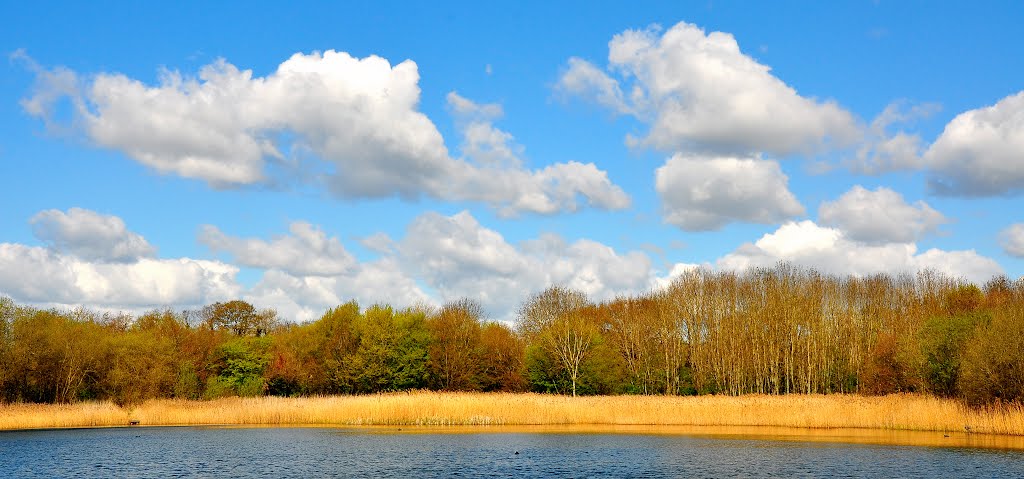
(584, 79)
(307, 251)
(980, 152)
(491, 170)
(885, 148)
(90, 236)
(887, 153)
(829, 250)
(442, 258)
(1012, 240)
(93, 260)
(303, 298)
(698, 90)
(439, 258)
(359, 114)
(349, 124)
(39, 275)
(705, 193)
(457, 256)
(880, 216)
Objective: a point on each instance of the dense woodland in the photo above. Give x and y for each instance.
(778, 331)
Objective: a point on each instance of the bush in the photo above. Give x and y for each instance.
(943, 340)
(250, 386)
(218, 387)
(993, 364)
(188, 385)
(884, 372)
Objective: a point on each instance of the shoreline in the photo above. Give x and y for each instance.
(852, 436)
(896, 419)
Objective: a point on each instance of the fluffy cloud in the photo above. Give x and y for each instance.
(901, 151)
(220, 127)
(489, 146)
(443, 258)
(980, 152)
(590, 266)
(552, 189)
(698, 90)
(879, 216)
(1012, 240)
(305, 272)
(351, 124)
(829, 250)
(39, 275)
(303, 298)
(306, 252)
(90, 235)
(705, 193)
(439, 258)
(886, 149)
(491, 170)
(94, 260)
(378, 243)
(457, 256)
(584, 79)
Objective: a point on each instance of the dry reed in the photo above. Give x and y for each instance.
(38, 416)
(904, 412)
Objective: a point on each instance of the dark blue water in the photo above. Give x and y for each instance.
(320, 452)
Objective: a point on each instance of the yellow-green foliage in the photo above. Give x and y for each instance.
(993, 364)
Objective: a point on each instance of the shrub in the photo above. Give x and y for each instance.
(993, 363)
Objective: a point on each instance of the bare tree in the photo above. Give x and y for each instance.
(555, 318)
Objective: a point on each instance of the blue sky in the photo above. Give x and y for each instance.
(299, 155)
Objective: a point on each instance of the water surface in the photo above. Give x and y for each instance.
(389, 452)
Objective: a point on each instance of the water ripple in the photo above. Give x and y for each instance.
(325, 452)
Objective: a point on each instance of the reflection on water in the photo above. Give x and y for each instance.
(769, 433)
(388, 452)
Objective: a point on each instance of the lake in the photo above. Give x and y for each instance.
(393, 452)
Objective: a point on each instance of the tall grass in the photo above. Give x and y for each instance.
(38, 416)
(894, 412)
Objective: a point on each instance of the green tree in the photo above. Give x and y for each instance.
(239, 317)
(140, 365)
(53, 357)
(604, 371)
(993, 364)
(241, 364)
(392, 351)
(943, 340)
(543, 372)
(318, 356)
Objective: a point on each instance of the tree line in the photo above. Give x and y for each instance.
(774, 330)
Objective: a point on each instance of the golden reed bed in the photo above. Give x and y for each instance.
(903, 412)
